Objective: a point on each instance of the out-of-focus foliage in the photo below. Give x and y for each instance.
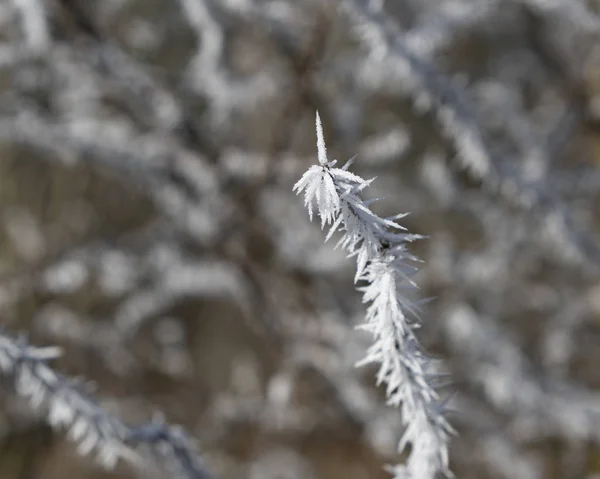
(149, 228)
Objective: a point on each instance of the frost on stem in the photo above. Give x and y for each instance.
(70, 408)
(384, 267)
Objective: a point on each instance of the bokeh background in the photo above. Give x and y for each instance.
(148, 150)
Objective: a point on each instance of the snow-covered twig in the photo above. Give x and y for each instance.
(385, 266)
(70, 408)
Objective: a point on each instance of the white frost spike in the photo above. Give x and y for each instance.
(384, 264)
(321, 149)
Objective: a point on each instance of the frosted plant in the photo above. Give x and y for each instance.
(68, 407)
(384, 268)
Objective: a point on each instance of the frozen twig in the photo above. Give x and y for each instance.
(385, 265)
(70, 408)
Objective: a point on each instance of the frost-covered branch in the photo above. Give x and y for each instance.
(459, 122)
(385, 265)
(70, 408)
